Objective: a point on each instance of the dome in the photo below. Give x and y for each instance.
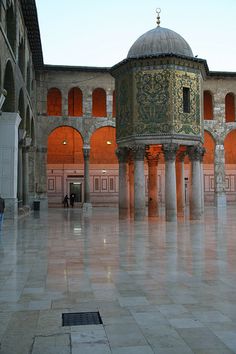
(159, 41)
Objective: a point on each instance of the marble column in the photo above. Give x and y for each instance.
(170, 151)
(87, 202)
(20, 176)
(180, 183)
(202, 178)
(41, 184)
(152, 160)
(138, 153)
(219, 176)
(131, 187)
(25, 163)
(195, 154)
(122, 155)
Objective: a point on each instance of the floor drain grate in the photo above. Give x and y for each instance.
(81, 318)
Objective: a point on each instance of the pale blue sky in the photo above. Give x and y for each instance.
(100, 32)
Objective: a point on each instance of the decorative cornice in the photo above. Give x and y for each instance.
(122, 154)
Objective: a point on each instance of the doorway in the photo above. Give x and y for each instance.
(76, 189)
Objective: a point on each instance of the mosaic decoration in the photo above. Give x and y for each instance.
(186, 123)
(124, 126)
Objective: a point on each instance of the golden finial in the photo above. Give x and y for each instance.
(158, 11)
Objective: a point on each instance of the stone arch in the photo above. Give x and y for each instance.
(54, 102)
(230, 107)
(75, 102)
(11, 27)
(65, 146)
(230, 147)
(21, 108)
(209, 145)
(114, 104)
(99, 104)
(103, 146)
(9, 85)
(208, 105)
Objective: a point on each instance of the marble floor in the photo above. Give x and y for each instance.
(159, 287)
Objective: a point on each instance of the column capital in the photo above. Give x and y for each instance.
(196, 152)
(170, 151)
(122, 154)
(138, 151)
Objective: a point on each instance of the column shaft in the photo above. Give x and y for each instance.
(87, 201)
(122, 154)
(139, 182)
(131, 187)
(219, 174)
(152, 184)
(20, 176)
(25, 160)
(170, 181)
(180, 184)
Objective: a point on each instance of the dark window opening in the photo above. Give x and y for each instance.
(186, 99)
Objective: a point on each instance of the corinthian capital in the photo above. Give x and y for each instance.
(196, 152)
(170, 151)
(138, 151)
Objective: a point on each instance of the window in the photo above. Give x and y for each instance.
(186, 99)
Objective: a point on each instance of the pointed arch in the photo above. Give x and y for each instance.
(75, 102)
(99, 104)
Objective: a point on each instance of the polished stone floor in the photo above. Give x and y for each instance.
(159, 287)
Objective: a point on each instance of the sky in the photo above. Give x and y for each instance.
(101, 32)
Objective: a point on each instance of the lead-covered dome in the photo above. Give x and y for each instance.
(159, 41)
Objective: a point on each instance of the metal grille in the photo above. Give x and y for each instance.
(81, 318)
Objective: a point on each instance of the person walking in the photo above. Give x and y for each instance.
(2, 208)
(65, 201)
(72, 200)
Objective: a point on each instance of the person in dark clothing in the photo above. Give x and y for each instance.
(2, 208)
(72, 200)
(65, 201)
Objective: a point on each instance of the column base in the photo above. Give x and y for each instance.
(220, 200)
(87, 207)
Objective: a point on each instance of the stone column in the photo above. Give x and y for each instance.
(138, 152)
(122, 155)
(202, 178)
(20, 176)
(219, 174)
(180, 182)
(87, 202)
(170, 151)
(32, 154)
(25, 162)
(131, 187)
(152, 160)
(195, 154)
(41, 184)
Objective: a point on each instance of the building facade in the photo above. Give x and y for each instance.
(58, 126)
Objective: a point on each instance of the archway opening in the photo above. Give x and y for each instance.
(99, 108)
(208, 105)
(230, 166)
(229, 108)
(65, 165)
(54, 102)
(75, 102)
(9, 86)
(208, 167)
